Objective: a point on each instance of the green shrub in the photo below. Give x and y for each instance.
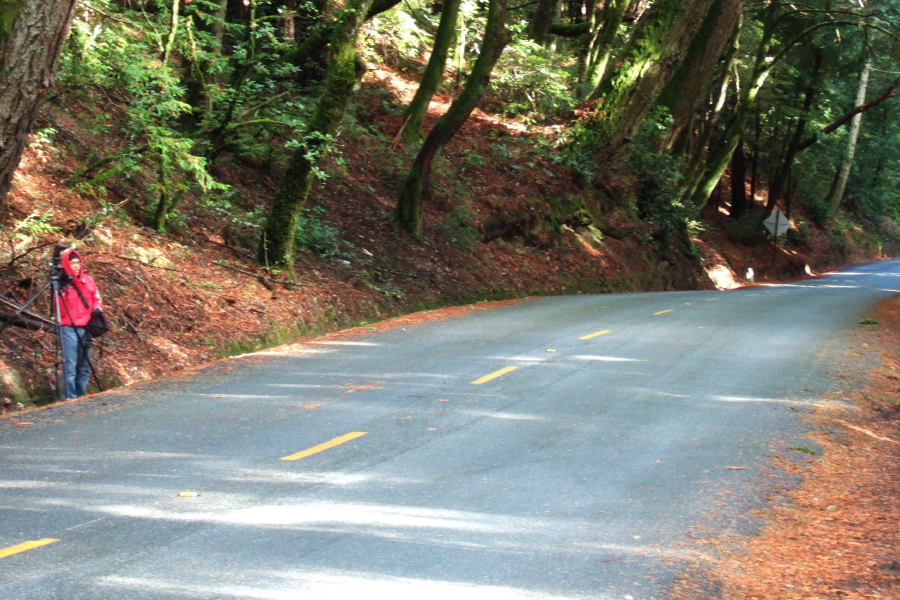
(315, 235)
(748, 229)
(461, 227)
(533, 82)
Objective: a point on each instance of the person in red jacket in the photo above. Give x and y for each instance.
(78, 298)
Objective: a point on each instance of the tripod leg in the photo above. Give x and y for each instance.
(24, 307)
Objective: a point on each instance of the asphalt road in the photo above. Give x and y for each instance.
(577, 447)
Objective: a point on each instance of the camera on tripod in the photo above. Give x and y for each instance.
(58, 274)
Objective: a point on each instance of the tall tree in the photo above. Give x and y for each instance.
(684, 92)
(784, 26)
(836, 195)
(655, 51)
(496, 36)
(345, 69)
(542, 19)
(605, 26)
(782, 174)
(32, 34)
(434, 72)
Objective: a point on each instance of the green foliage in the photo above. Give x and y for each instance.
(797, 234)
(34, 225)
(315, 235)
(804, 449)
(108, 55)
(659, 178)
(533, 82)
(461, 227)
(397, 36)
(748, 229)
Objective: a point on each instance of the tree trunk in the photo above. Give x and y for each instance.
(602, 42)
(834, 201)
(541, 20)
(345, 69)
(317, 39)
(738, 182)
(32, 34)
(687, 88)
(496, 36)
(434, 72)
(701, 184)
(655, 51)
(783, 173)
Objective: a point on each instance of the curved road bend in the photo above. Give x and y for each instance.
(574, 447)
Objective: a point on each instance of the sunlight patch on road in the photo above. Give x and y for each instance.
(327, 343)
(333, 516)
(754, 399)
(335, 478)
(227, 396)
(605, 358)
(505, 415)
(327, 585)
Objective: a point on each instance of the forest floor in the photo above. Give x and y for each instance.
(187, 298)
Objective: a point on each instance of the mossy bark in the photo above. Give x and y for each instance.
(626, 96)
(319, 37)
(687, 88)
(345, 69)
(32, 34)
(409, 208)
(602, 42)
(414, 114)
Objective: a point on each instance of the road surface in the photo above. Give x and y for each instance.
(575, 447)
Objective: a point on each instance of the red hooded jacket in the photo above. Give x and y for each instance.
(72, 311)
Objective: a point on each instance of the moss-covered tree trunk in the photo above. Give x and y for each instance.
(684, 92)
(345, 69)
(32, 34)
(496, 36)
(657, 48)
(607, 27)
(434, 72)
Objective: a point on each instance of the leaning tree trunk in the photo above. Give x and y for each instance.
(683, 93)
(496, 36)
(654, 53)
(837, 194)
(345, 69)
(32, 34)
(602, 44)
(434, 72)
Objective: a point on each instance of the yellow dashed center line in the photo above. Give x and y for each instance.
(662, 312)
(330, 444)
(494, 375)
(593, 335)
(25, 546)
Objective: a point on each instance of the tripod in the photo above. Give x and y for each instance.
(56, 282)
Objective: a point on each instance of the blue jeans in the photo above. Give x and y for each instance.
(76, 360)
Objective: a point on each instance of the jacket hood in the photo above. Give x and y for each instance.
(66, 257)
